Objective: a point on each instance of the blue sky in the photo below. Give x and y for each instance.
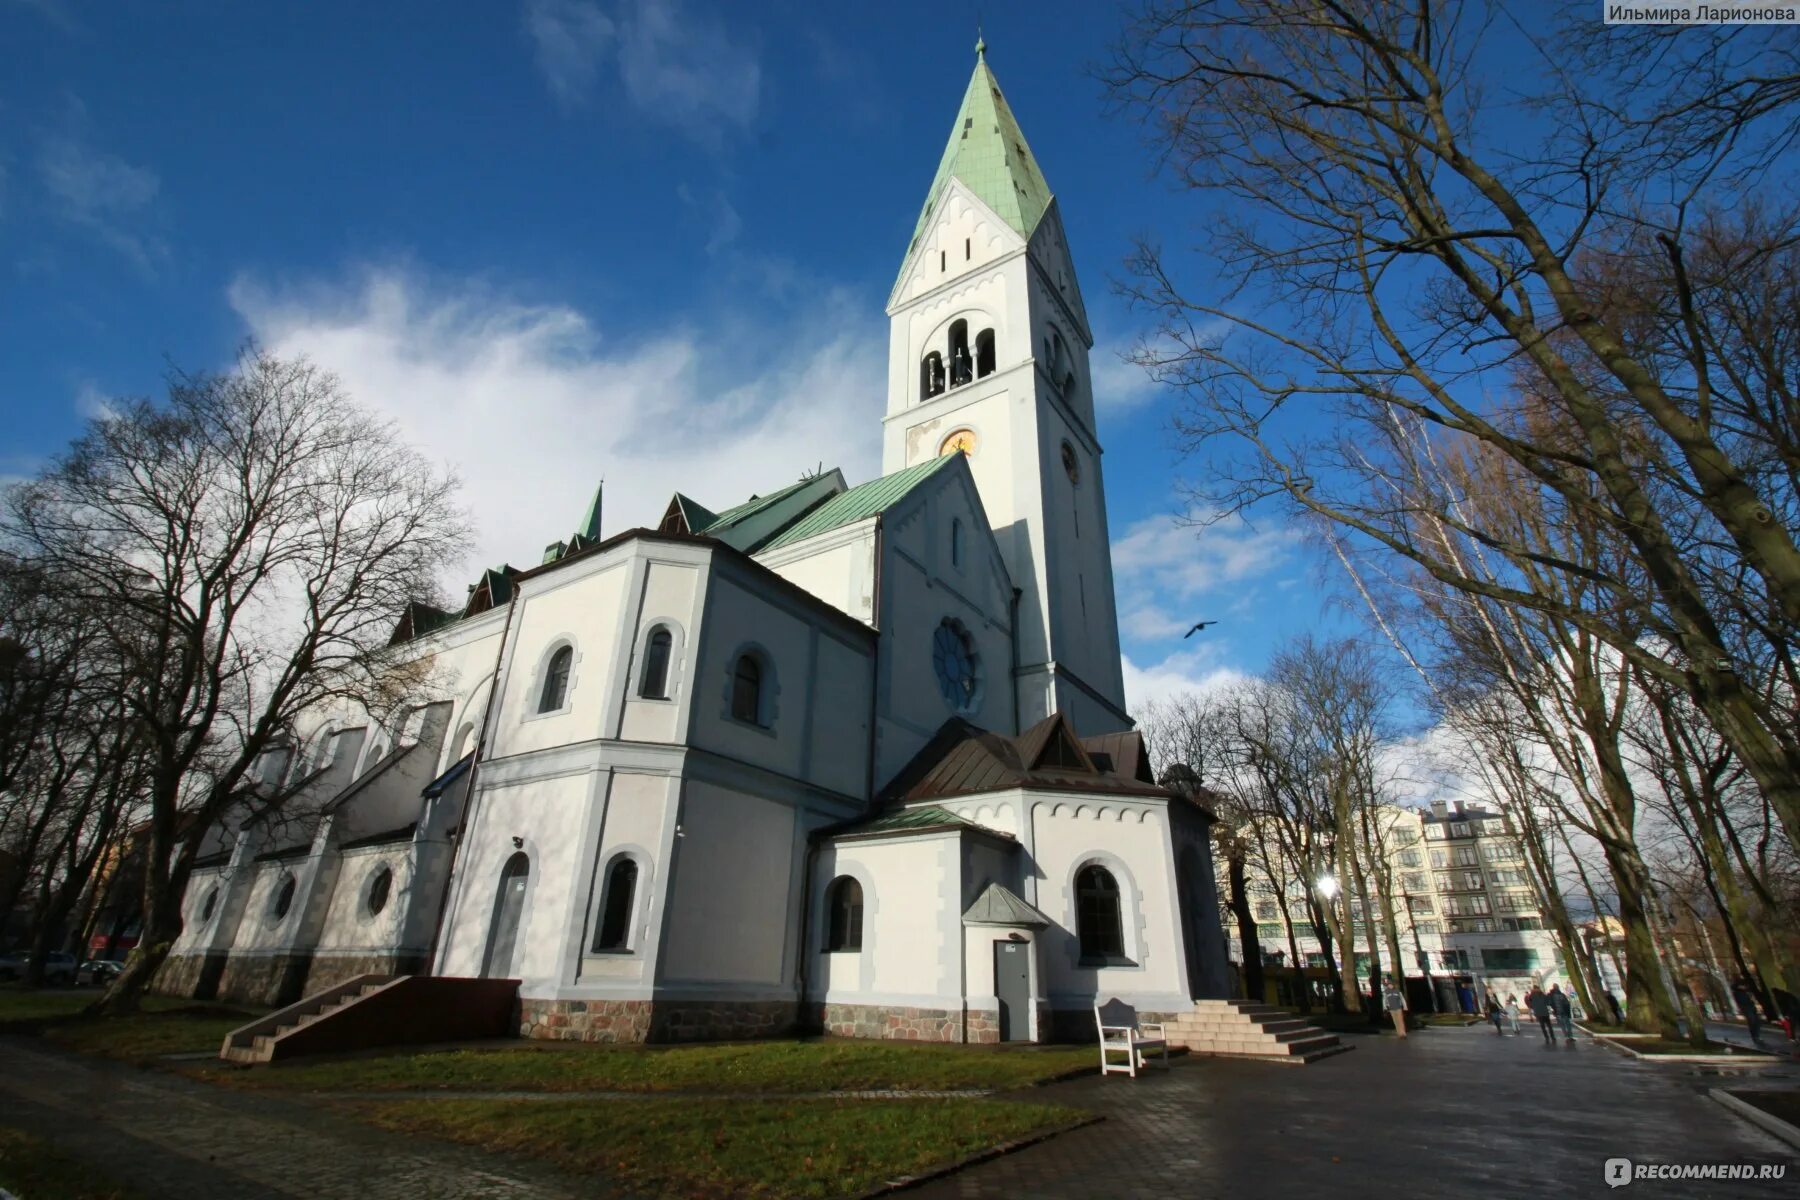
(556, 239)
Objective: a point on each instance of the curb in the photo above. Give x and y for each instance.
(1747, 1060)
(1768, 1122)
(980, 1156)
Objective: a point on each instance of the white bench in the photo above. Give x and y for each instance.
(1122, 1032)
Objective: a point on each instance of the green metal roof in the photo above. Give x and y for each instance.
(860, 502)
(987, 151)
(755, 503)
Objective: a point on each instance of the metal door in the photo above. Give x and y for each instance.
(1012, 984)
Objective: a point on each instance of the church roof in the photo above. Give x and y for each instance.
(987, 151)
(924, 818)
(997, 905)
(964, 760)
(860, 502)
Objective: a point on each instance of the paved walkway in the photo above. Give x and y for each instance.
(1445, 1112)
(1449, 1111)
(171, 1137)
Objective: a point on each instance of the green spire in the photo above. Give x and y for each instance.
(987, 151)
(590, 524)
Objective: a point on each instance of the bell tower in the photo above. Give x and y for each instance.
(988, 356)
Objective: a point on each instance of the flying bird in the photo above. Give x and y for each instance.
(1198, 626)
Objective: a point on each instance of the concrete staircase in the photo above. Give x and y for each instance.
(1243, 1029)
(379, 1010)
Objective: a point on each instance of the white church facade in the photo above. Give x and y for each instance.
(852, 758)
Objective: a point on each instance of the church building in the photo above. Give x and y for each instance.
(851, 758)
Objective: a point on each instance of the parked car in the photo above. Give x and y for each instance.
(98, 972)
(59, 969)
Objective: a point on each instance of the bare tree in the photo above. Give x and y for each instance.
(253, 536)
(1388, 247)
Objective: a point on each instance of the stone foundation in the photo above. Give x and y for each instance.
(982, 1026)
(329, 970)
(896, 1022)
(585, 1020)
(655, 1021)
(273, 979)
(195, 976)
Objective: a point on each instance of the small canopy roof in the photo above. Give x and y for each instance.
(997, 905)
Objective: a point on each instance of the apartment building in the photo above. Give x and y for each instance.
(1468, 914)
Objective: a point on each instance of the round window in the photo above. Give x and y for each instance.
(1071, 465)
(284, 898)
(212, 903)
(380, 884)
(953, 656)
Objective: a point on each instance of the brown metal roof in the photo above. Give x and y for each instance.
(963, 760)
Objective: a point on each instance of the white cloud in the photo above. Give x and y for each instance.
(103, 194)
(570, 37)
(1164, 570)
(1120, 385)
(1187, 671)
(678, 66)
(531, 404)
(714, 212)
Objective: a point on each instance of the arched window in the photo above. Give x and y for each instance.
(284, 899)
(962, 367)
(376, 753)
(556, 680)
(746, 689)
(617, 899)
(380, 884)
(931, 376)
(655, 682)
(956, 542)
(984, 354)
(211, 904)
(844, 912)
(1097, 915)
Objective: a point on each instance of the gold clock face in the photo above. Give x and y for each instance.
(962, 441)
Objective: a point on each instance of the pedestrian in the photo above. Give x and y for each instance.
(1618, 1014)
(1539, 1004)
(1740, 992)
(1563, 1011)
(1494, 1014)
(1396, 1007)
(1512, 1013)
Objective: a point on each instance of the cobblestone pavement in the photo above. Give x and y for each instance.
(1444, 1112)
(171, 1137)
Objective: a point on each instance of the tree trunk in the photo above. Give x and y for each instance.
(1238, 885)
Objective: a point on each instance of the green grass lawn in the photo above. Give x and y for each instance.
(186, 1030)
(713, 1148)
(31, 1168)
(815, 1065)
(165, 1024)
(1660, 1045)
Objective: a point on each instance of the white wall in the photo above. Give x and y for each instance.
(731, 903)
(912, 925)
(1131, 840)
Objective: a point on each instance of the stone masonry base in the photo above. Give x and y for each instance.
(655, 1020)
(272, 979)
